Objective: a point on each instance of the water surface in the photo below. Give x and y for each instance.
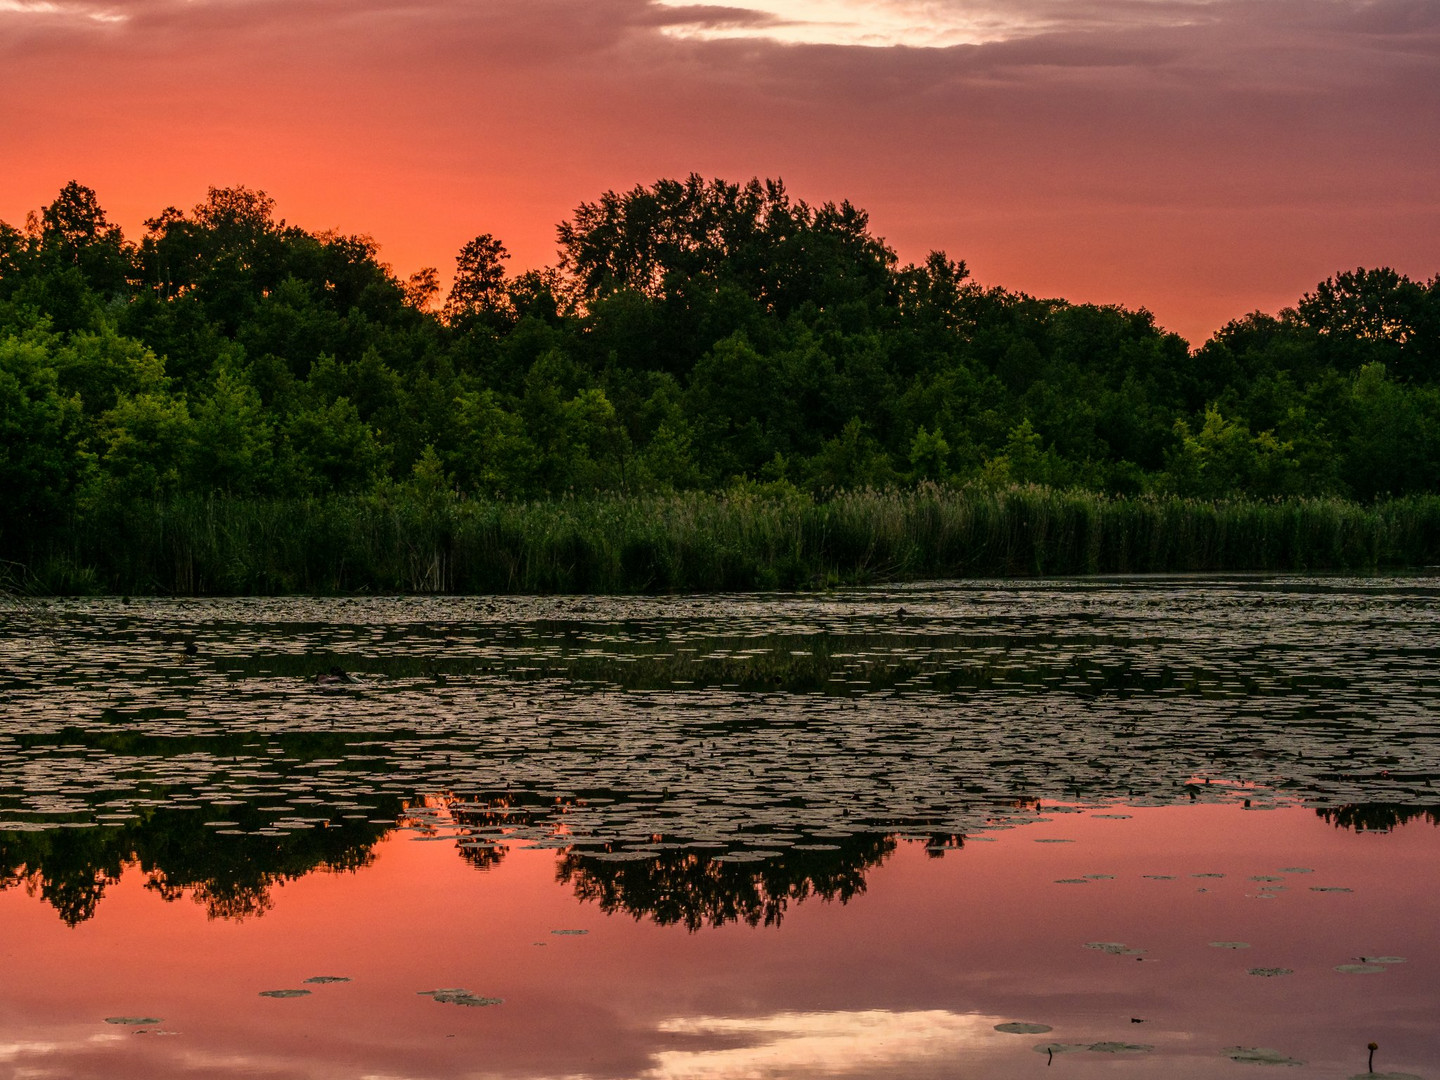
(840, 835)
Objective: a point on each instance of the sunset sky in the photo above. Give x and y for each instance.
(1202, 158)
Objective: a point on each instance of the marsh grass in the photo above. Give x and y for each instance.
(737, 541)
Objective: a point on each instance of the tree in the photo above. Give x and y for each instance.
(74, 232)
(683, 239)
(479, 286)
(40, 430)
(1377, 316)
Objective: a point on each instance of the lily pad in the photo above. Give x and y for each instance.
(1060, 1048)
(1270, 972)
(134, 1021)
(1382, 959)
(1360, 969)
(1258, 1055)
(458, 995)
(1018, 1027)
(284, 993)
(1120, 1048)
(569, 933)
(325, 979)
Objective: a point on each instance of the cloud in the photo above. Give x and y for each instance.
(872, 1043)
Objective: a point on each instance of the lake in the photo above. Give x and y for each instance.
(1139, 827)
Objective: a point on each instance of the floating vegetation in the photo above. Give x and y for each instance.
(569, 933)
(1382, 959)
(1360, 969)
(1270, 972)
(1114, 948)
(134, 1021)
(284, 993)
(1258, 1055)
(1229, 944)
(1018, 1027)
(325, 980)
(1329, 888)
(1120, 1048)
(595, 725)
(458, 995)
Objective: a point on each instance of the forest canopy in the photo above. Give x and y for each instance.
(693, 334)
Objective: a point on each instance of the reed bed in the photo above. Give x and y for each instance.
(698, 542)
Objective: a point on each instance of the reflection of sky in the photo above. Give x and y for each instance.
(875, 1042)
(907, 980)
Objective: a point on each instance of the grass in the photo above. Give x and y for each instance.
(697, 542)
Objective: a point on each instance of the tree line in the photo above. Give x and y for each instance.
(693, 335)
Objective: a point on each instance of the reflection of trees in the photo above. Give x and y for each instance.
(477, 823)
(685, 886)
(230, 875)
(1378, 817)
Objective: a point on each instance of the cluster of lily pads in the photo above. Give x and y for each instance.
(792, 713)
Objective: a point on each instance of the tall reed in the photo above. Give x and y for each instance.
(700, 542)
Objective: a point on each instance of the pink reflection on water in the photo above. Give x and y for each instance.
(907, 979)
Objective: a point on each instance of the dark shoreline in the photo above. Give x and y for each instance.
(739, 541)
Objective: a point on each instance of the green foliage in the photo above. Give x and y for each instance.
(696, 336)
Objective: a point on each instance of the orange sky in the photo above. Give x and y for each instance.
(1202, 158)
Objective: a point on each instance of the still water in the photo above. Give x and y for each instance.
(1179, 827)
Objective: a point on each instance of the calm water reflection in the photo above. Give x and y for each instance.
(791, 828)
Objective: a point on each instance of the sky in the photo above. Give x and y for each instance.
(1199, 158)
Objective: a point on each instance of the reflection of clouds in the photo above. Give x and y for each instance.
(23, 1050)
(925, 23)
(825, 1044)
(52, 10)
